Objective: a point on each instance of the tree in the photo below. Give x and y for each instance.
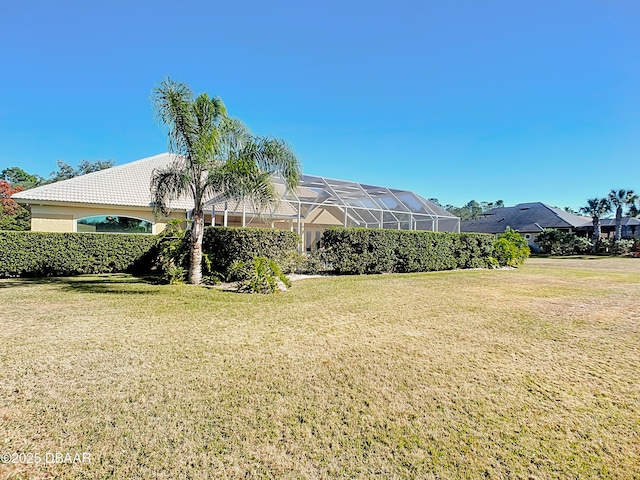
(9, 205)
(620, 199)
(596, 208)
(472, 210)
(19, 178)
(13, 216)
(215, 154)
(66, 171)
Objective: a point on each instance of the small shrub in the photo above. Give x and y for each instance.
(175, 275)
(260, 275)
(511, 248)
(622, 247)
(173, 253)
(310, 263)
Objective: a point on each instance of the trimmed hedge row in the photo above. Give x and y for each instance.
(39, 254)
(346, 250)
(225, 245)
(362, 250)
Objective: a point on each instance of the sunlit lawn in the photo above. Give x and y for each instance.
(530, 373)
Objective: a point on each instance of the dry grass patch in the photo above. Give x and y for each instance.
(530, 373)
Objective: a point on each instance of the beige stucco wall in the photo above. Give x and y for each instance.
(62, 218)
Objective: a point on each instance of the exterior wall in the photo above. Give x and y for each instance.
(62, 218)
(50, 221)
(325, 217)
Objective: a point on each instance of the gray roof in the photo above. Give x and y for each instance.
(127, 185)
(626, 221)
(525, 217)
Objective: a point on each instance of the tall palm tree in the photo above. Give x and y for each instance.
(620, 199)
(214, 155)
(596, 208)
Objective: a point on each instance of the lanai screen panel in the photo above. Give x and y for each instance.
(360, 205)
(371, 206)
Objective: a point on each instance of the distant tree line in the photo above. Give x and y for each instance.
(471, 210)
(14, 216)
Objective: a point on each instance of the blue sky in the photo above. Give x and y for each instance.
(459, 100)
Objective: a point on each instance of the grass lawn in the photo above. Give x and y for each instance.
(528, 373)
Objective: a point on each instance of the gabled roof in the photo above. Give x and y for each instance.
(127, 185)
(525, 217)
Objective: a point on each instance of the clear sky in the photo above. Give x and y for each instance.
(457, 99)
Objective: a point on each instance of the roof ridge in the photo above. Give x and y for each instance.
(80, 178)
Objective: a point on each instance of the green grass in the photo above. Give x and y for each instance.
(528, 373)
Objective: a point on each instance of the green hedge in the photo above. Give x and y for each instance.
(39, 254)
(362, 250)
(226, 245)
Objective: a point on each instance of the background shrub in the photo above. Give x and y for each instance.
(41, 254)
(510, 248)
(361, 250)
(556, 242)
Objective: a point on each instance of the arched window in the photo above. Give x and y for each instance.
(113, 224)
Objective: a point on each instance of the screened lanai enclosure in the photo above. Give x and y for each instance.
(319, 202)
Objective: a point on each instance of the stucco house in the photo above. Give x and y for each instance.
(118, 200)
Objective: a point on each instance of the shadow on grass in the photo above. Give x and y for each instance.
(115, 283)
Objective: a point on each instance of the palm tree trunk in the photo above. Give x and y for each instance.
(618, 234)
(596, 234)
(195, 248)
(596, 230)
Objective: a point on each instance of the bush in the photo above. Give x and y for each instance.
(511, 248)
(308, 262)
(362, 250)
(260, 275)
(40, 254)
(224, 246)
(557, 242)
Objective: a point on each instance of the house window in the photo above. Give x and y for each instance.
(527, 236)
(113, 224)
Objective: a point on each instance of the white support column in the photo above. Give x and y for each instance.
(213, 215)
(381, 219)
(244, 214)
(226, 215)
(345, 215)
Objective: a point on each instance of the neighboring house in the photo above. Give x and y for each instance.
(527, 218)
(118, 200)
(630, 227)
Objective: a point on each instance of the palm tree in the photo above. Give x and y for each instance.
(596, 208)
(214, 154)
(620, 199)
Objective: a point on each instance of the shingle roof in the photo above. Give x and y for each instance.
(524, 217)
(626, 221)
(127, 184)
